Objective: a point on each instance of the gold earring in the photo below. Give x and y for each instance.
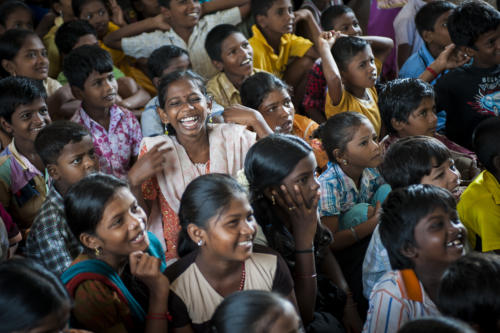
(344, 162)
(273, 200)
(97, 252)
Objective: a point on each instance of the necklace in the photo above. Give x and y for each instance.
(243, 274)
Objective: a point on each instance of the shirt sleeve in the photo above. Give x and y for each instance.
(314, 97)
(135, 134)
(141, 46)
(386, 313)
(403, 28)
(283, 282)
(228, 16)
(300, 46)
(329, 205)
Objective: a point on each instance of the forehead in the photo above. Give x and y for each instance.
(180, 62)
(34, 105)
(305, 165)
(182, 87)
(344, 18)
(488, 36)
(95, 75)
(81, 146)
(364, 129)
(239, 205)
(280, 4)
(443, 17)
(32, 42)
(20, 14)
(275, 95)
(120, 200)
(90, 6)
(234, 39)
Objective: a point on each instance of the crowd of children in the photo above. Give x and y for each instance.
(249, 166)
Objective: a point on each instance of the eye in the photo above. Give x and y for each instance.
(134, 208)
(194, 100)
(287, 103)
(101, 12)
(437, 225)
(363, 143)
(423, 113)
(76, 161)
(245, 45)
(31, 54)
(43, 111)
(280, 11)
(111, 77)
(452, 165)
(355, 24)
(25, 116)
(92, 153)
(174, 104)
(250, 218)
(88, 17)
(116, 223)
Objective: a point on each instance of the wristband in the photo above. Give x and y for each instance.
(354, 234)
(433, 72)
(311, 250)
(312, 276)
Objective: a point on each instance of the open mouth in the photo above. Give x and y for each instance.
(246, 62)
(139, 238)
(457, 243)
(189, 122)
(110, 97)
(247, 244)
(194, 15)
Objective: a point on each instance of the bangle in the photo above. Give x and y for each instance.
(311, 250)
(160, 316)
(354, 234)
(312, 276)
(433, 72)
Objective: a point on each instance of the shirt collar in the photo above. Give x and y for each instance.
(492, 184)
(115, 114)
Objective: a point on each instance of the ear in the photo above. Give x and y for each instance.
(261, 20)
(469, 51)
(218, 64)
(338, 155)
(156, 81)
(53, 171)
(77, 92)
(90, 241)
(409, 251)
(427, 36)
(196, 233)
(165, 12)
(163, 115)
(9, 66)
(6, 126)
(397, 125)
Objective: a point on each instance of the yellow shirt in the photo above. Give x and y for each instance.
(304, 127)
(49, 40)
(264, 57)
(223, 91)
(369, 107)
(479, 211)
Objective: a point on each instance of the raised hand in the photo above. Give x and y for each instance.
(147, 269)
(148, 165)
(116, 13)
(451, 58)
(160, 22)
(328, 38)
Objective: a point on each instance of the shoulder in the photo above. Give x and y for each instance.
(174, 271)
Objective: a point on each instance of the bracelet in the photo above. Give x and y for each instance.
(311, 250)
(354, 234)
(312, 276)
(433, 72)
(160, 316)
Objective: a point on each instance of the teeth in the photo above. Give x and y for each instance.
(456, 242)
(189, 119)
(193, 14)
(247, 61)
(246, 243)
(138, 236)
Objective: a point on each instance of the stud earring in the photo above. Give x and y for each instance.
(200, 242)
(344, 162)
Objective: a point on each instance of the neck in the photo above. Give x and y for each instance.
(217, 269)
(236, 80)
(272, 39)
(184, 32)
(99, 114)
(117, 263)
(27, 149)
(61, 188)
(353, 172)
(430, 279)
(434, 50)
(359, 92)
(197, 148)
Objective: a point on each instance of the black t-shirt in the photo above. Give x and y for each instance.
(468, 95)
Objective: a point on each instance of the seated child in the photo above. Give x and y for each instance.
(435, 325)
(22, 53)
(351, 73)
(478, 207)
(23, 182)
(96, 13)
(412, 160)
(339, 18)
(232, 55)
(420, 229)
(164, 60)
(116, 133)
(67, 151)
(178, 24)
(270, 96)
(276, 49)
(15, 15)
(467, 104)
(469, 291)
(351, 190)
(76, 33)
(318, 7)
(407, 108)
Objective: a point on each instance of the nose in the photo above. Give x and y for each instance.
(248, 228)
(316, 184)
(433, 118)
(291, 15)
(89, 162)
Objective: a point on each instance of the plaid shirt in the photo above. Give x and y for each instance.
(315, 95)
(339, 192)
(50, 241)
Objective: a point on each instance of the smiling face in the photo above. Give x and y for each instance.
(363, 151)
(19, 19)
(444, 175)
(183, 13)
(278, 111)
(229, 235)
(487, 49)
(422, 121)
(236, 57)
(304, 176)
(439, 239)
(97, 15)
(347, 24)
(185, 108)
(279, 19)
(361, 71)
(27, 121)
(30, 61)
(99, 91)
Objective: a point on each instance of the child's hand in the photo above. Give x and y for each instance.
(450, 58)
(327, 39)
(251, 118)
(373, 213)
(148, 165)
(351, 320)
(300, 15)
(160, 22)
(117, 13)
(147, 269)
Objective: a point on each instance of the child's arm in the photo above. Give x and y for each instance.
(330, 68)
(447, 59)
(242, 115)
(216, 5)
(381, 46)
(133, 95)
(312, 28)
(114, 39)
(404, 51)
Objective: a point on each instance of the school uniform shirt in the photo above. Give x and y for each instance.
(223, 91)
(50, 241)
(339, 192)
(116, 145)
(416, 64)
(376, 262)
(264, 57)
(51, 86)
(192, 300)
(469, 95)
(396, 299)
(23, 187)
(405, 27)
(479, 211)
(315, 95)
(141, 46)
(349, 102)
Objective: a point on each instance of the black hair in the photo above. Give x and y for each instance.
(216, 37)
(402, 211)
(29, 294)
(427, 15)
(485, 142)
(470, 20)
(9, 7)
(69, 33)
(398, 98)
(86, 201)
(260, 7)
(435, 325)
(161, 58)
(16, 91)
(82, 61)
(78, 4)
(51, 140)
(346, 48)
(256, 88)
(10, 44)
(469, 291)
(251, 311)
(164, 3)
(409, 159)
(205, 197)
(332, 13)
(338, 131)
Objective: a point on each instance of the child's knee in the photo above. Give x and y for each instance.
(127, 87)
